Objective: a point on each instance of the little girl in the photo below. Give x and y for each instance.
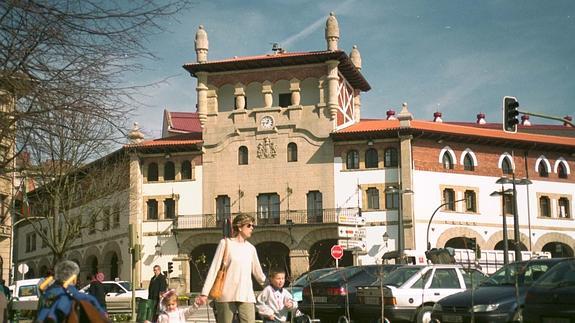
(170, 311)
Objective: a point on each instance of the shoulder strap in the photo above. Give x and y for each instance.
(225, 258)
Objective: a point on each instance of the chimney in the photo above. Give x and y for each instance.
(391, 114)
(481, 118)
(525, 120)
(437, 117)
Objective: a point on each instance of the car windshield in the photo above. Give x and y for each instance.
(399, 276)
(562, 275)
(126, 285)
(304, 279)
(523, 273)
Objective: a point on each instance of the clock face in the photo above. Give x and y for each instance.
(267, 122)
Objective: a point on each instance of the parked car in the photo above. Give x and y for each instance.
(498, 298)
(410, 292)
(332, 296)
(552, 297)
(119, 295)
(25, 294)
(296, 288)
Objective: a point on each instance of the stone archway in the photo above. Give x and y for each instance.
(461, 243)
(554, 237)
(510, 245)
(497, 237)
(111, 264)
(558, 249)
(461, 233)
(201, 258)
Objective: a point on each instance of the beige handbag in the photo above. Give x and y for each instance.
(218, 286)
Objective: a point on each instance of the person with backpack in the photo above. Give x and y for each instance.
(62, 302)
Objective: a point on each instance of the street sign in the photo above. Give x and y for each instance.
(351, 232)
(349, 244)
(351, 220)
(337, 252)
(23, 268)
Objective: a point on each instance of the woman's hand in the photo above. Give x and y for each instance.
(201, 299)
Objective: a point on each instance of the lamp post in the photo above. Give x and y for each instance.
(431, 218)
(515, 182)
(502, 193)
(400, 236)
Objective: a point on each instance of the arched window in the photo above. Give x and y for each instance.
(314, 207)
(447, 161)
(545, 206)
(562, 170)
(243, 155)
(542, 170)
(449, 198)
(352, 160)
(373, 198)
(169, 171)
(390, 157)
(470, 201)
(292, 152)
(468, 163)
(223, 209)
(152, 172)
(564, 211)
(506, 166)
(371, 159)
(186, 170)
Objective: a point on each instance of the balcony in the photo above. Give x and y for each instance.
(263, 219)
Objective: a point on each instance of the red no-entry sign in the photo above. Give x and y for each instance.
(337, 252)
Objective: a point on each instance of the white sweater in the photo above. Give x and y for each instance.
(271, 301)
(243, 263)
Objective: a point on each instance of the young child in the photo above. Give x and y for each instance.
(274, 302)
(170, 311)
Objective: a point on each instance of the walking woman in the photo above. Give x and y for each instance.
(242, 259)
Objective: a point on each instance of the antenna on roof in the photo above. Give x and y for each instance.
(276, 48)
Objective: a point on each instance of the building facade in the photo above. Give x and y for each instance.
(280, 137)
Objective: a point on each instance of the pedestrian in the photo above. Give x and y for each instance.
(275, 302)
(62, 302)
(4, 298)
(242, 263)
(158, 285)
(171, 313)
(98, 290)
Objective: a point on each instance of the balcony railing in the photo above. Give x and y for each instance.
(198, 221)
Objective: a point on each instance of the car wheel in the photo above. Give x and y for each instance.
(424, 314)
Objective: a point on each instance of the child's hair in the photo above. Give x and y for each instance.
(169, 296)
(275, 271)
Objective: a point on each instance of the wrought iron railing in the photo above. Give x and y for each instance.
(198, 221)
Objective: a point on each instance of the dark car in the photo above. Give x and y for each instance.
(498, 298)
(296, 288)
(552, 297)
(331, 296)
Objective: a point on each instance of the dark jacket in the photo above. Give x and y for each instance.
(158, 285)
(98, 290)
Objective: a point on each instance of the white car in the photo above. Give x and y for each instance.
(25, 294)
(119, 295)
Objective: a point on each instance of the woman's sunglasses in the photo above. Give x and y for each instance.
(249, 225)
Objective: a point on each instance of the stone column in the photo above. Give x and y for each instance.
(267, 93)
(202, 90)
(299, 262)
(240, 95)
(295, 92)
(333, 82)
(135, 206)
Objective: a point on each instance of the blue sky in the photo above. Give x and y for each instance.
(459, 57)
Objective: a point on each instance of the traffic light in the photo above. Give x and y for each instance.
(510, 113)
(170, 267)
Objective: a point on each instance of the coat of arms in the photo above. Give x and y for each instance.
(266, 149)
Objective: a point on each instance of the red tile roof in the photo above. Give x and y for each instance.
(346, 67)
(183, 122)
(378, 126)
(165, 142)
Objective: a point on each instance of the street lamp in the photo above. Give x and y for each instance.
(431, 218)
(400, 236)
(515, 182)
(502, 193)
(385, 238)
